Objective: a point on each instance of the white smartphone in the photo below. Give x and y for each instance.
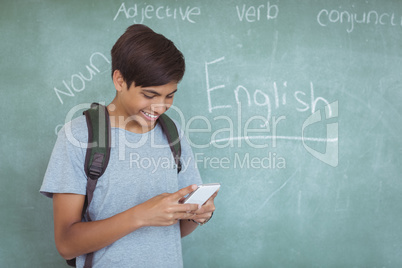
(202, 193)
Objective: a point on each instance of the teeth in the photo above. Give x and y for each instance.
(150, 115)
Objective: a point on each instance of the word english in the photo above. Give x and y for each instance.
(263, 98)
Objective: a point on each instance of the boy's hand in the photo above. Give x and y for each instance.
(205, 211)
(165, 209)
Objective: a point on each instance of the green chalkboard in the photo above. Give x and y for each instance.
(293, 106)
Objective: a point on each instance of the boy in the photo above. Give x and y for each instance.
(137, 217)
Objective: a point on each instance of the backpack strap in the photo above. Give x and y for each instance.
(172, 135)
(98, 151)
(97, 156)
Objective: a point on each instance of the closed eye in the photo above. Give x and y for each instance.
(148, 96)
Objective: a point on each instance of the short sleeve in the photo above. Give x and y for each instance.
(65, 172)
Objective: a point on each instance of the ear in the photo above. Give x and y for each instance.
(118, 81)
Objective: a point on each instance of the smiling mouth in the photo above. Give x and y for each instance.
(150, 116)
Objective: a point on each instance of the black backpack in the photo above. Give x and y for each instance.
(98, 153)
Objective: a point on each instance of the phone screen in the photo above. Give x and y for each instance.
(202, 194)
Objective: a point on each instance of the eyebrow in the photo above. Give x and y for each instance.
(157, 93)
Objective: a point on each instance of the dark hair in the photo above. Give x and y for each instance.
(147, 58)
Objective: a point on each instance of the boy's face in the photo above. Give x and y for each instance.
(141, 106)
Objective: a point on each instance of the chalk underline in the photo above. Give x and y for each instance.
(293, 138)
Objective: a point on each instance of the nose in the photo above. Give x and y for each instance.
(159, 108)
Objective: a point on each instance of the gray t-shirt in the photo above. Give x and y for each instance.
(141, 166)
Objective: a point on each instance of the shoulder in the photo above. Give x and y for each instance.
(75, 131)
(65, 172)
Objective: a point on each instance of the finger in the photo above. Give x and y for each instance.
(185, 216)
(183, 192)
(184, 208)
(206, 208)
(190, 208)
(202, 217)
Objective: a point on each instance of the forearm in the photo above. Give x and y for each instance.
(187, 227)
(84, 237)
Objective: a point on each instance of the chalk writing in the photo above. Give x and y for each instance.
(257, 13)
(262, 98)
(326, 17)
(139, 14)
(210, 89)
(78, 81)
(269, 100)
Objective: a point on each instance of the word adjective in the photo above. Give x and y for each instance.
(254, 13)
(139, 14)
(262, 98)
(325, 17)
(78, 81)
(271, 161)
